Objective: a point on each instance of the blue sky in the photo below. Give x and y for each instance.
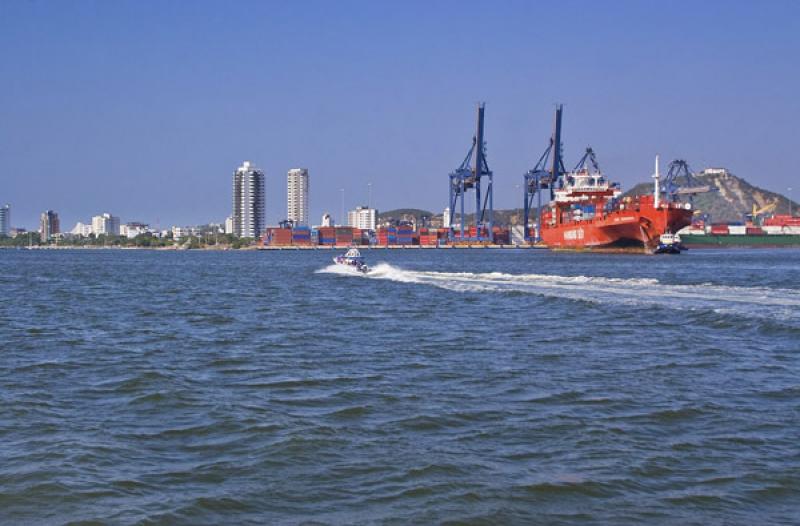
(145, 108)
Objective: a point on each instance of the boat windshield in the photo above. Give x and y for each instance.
(353, 253)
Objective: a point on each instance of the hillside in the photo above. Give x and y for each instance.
(404, 214)
(734, 197)
(501, 217)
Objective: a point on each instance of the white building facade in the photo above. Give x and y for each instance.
(248, 201)
(363, 218)
(105, 224)
(297, 196)
(81, 229)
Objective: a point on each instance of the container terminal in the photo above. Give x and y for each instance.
(577, 209)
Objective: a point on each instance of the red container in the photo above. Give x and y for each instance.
(754, 231)
(279, 236)
(720, 230)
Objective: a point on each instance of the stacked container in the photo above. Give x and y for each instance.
(278, 237)
(405, 235)
(301, 235)
(382, 236)
(327, 235)
(502, 236)
(428, 237)
(719, 230)
(344, 236)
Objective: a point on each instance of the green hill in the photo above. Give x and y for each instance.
(404, 214)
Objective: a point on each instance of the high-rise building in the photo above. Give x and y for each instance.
(5, 220)
(49, 225)
(297, 196)
(446, 218)
(248, 201)
(362, 217)
(105, 224)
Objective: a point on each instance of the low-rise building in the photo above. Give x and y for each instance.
(81, 229)
(363, 217)
(131, 230)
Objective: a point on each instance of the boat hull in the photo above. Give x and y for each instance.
(634, 229)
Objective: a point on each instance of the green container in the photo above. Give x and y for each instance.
(764, 241)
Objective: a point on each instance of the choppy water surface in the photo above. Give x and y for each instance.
(506, 387)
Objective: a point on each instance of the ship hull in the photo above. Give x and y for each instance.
(734, 240)
(618, 230)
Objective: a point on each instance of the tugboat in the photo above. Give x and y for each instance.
(352, 258)
(669, 244)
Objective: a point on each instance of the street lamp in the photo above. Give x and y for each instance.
(341, 217)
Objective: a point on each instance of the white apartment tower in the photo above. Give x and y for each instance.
(248, 201)
(105, 224)
(5, 220)
(362, 217)
(297, 196)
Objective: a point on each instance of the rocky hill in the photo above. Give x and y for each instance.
(732, 198)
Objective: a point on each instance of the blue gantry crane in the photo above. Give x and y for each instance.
(540, 178)
(680, 181)
(468, 177)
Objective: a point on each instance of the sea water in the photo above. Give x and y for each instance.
(473, 386)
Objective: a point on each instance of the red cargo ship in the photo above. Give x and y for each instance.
(587, 212)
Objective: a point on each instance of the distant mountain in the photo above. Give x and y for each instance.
(734, 197)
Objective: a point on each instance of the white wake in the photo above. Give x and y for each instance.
(751, 301)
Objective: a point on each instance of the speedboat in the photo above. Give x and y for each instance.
(669, 243)
(352, 258)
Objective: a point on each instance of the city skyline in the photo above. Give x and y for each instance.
(394, 113)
